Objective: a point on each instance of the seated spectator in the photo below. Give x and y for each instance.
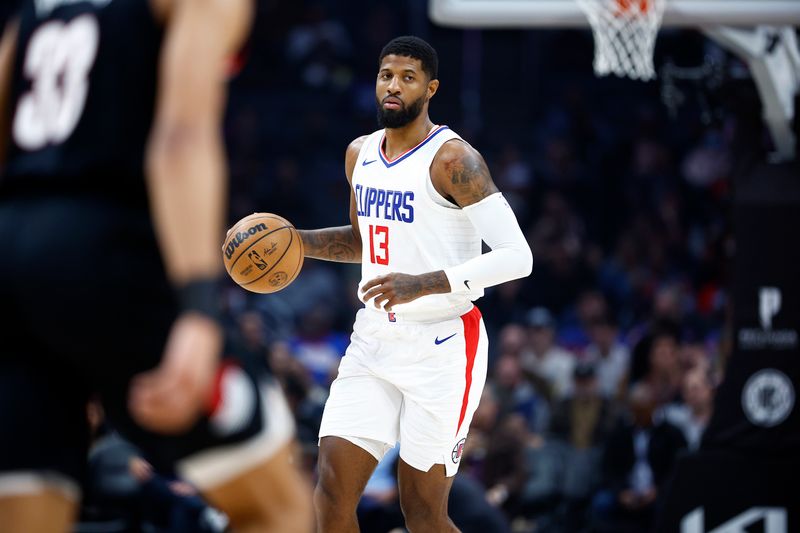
(171, 505)
(318, 346)
(638, 458)
(516, 395)
(610, 357)
(657, 361)
(470, 510)
(124, 494)
(544, 361)
(504, 473)
(692, 416)
(583, 419)
(580, 424)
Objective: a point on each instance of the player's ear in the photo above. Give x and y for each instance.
(433, 86)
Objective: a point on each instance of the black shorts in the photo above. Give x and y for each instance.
(85, 306)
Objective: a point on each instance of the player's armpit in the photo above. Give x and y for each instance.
(460, 174)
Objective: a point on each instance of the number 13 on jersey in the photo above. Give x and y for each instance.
(379, 244)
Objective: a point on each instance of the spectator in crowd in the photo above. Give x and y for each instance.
(171, 505)
(581, 423)
(611, 358)
(320, 48)
(251, 340)
(517, 395)
(504, 469)
(692, 417)
(318, 346)
(638, 458)
(657, 361)
(124, 494)
(584, 418)
(545, 361)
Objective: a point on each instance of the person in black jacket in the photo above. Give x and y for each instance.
(638, 459)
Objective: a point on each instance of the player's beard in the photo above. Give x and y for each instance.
(391, 118)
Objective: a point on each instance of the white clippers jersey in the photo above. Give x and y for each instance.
(403, 229)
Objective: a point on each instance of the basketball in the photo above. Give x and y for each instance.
(263, 253)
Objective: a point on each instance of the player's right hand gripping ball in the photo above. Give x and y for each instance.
(263, 252)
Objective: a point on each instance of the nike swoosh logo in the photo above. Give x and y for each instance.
(466, 282)
(437, 341)
(365, 163)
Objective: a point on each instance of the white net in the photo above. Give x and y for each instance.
(624, 35)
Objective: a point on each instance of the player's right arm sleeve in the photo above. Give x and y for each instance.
(510, 256)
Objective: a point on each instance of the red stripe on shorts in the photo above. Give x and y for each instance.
(472, 332)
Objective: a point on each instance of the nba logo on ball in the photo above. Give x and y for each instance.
(458, 450)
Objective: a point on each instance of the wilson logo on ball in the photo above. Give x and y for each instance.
(263, 253)
(240, 237)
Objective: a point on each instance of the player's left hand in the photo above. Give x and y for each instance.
(396, 288)
(171, 397)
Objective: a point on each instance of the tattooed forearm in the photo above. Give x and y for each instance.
(397, 288)
(332, 244)
(408, 287)
(433, 283)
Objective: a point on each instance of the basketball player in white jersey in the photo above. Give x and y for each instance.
(422, 200)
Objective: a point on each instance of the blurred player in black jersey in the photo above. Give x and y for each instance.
(112, 203)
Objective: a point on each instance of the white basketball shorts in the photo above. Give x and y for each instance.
(413, 383)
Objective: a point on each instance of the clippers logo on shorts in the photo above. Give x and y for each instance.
(242, 236)
(237, 402)
(458, 450)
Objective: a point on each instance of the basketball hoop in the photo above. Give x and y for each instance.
(624, 35)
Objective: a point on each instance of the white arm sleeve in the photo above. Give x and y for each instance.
(510, 256)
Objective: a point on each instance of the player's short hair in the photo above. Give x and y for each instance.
(415, 48)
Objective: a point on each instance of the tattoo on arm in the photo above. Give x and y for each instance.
(332, 244)
(470, 180)
(433, 283)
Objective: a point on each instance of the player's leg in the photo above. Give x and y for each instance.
(44, 510)
(239, 456)
(43, 446)
(344, 469)
(360, 423)
(438, 404)
(423, 498)
(271, 497)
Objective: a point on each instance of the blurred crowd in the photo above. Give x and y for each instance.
(603, 364)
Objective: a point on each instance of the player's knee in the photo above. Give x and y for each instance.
(333, 488)
(329, 499)
(421, 514)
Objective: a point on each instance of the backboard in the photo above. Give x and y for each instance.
(566, 13)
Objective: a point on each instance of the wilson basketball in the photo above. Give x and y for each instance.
(263, 253)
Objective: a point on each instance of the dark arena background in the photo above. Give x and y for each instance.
(644, 377)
